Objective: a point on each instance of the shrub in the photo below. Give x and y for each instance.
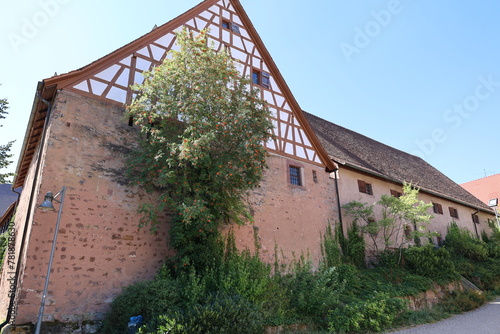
(313, 294)
(149, 299)
(4, 243)
(354, 247)
(221, 313)
(330, 247)
(459, 302)
(462, 242)
(390, 258)
(373, 314)
(432, 262)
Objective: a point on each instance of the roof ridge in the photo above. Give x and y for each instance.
(369, 138)
(481, 178)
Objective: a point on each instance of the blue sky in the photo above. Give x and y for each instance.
(419, 75)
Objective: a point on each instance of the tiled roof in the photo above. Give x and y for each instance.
(354, 150)
(7, 197)
(485, 189)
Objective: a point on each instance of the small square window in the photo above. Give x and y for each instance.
(453, 212)
(396, 193)
(365, 188)
(261, 78)
(437, 208)
(315, 176)
(295, 177)
(231, 26)
(407, 232)
(475, 218)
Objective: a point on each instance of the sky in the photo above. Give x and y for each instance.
(421, 76)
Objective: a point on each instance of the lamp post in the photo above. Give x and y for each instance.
(493, 203)
(48, 205)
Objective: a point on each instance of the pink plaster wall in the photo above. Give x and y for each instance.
(349, 192)
(290, 216)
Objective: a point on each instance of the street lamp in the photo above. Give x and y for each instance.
(493, 203)
(48, 205)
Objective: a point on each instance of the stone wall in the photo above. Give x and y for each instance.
(99, 247)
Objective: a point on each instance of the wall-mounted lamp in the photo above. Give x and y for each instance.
(48, 205)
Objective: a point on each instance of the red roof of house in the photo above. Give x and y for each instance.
(485, 189)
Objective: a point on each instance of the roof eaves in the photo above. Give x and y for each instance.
(423, 189)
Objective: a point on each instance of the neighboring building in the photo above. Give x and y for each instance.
(77, 138)
(486, 188)
(368, 169)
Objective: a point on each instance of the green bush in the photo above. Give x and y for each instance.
(354, 247)
(462, 242)
(330, 247)
(221, 313)
(373, 314)
(390, 258)
(459, 302)
(4, 243)
(313, 294)
(149, 299)
(432, 262)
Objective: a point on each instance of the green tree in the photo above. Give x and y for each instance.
(402, 218)
(5, 149)
(203, 129)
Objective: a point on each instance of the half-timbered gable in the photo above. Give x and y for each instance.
(77, 137)
(110, 78)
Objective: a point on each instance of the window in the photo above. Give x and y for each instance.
(475, 218)
(407, 232)
(365, 188)
(295, 177)
(261, 78)
(437, 208)
(439, 240)
(231, 26)
(315, 176)
(396, 193)
(453, 212)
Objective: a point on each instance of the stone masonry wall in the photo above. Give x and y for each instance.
(99, 247)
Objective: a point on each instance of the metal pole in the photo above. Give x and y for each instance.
(47, 277)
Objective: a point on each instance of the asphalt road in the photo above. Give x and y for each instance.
(484, 320)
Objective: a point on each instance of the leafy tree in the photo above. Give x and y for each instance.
(5, 149)
(203, 129)
(398, 215)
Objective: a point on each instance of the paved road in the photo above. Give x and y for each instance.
(484, 320)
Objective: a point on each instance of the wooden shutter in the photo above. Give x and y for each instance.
(396, 193)
(453, 212)
(362, 186)
(266, 82)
